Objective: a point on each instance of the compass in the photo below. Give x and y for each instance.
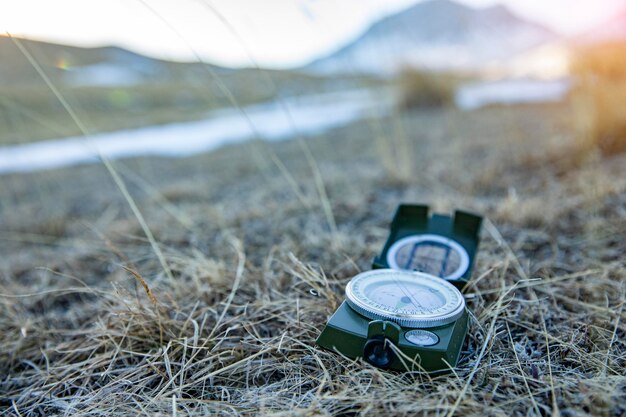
(398, 319)
(408, 313)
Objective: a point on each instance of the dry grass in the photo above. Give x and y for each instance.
(601, 93)
(421, 89)
(91, 325)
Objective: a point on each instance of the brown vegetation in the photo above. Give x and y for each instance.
(423, 89)
(91, 324)
(600, 73)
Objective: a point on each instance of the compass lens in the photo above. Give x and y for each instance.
(431, 257)
(432, 254)
(422, 337)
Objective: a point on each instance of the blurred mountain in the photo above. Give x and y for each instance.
(437, 35)
(101, 66)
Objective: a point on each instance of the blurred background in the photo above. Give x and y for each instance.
(124, 65)
(192, 111)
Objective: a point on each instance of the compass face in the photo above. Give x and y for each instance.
(411, 299)
(414, 296)
(432, 254)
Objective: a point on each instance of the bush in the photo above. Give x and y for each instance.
(600, 74)
(421, 89)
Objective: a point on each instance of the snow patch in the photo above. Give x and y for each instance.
(476, 95)
(310, 115)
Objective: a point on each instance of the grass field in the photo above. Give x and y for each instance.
(216, 311)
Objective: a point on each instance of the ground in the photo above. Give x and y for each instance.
(212, 306)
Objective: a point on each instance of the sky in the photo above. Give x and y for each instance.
(276, 33)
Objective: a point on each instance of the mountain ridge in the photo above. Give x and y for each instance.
(86, 65)
(436, 34)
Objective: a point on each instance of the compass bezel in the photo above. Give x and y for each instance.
(452, 309)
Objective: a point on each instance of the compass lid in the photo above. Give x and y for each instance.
(437, 244)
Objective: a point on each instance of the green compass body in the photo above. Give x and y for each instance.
(408, 313)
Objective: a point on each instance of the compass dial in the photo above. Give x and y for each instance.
(411, 299)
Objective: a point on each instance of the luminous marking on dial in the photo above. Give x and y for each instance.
(421, 337)
(432, 254)
(411, 299)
